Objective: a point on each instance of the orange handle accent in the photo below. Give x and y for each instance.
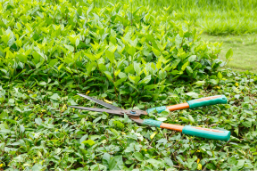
(172, 127)
(207, 129)
(178, 106)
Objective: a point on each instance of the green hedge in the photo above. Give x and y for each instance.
(131, 51)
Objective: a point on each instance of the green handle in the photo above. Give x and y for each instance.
(206, 133)
(206, 101)
(191, 130)
(151, 122)
(158, 109)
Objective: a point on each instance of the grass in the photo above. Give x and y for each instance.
(188, 4)
(244, 50)
(215, 17)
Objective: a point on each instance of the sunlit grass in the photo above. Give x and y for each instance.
(244, 49)
(213, 16)
(189, 4)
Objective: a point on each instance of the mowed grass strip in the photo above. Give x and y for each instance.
(244, 50)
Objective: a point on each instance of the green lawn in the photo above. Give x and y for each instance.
(244, 50)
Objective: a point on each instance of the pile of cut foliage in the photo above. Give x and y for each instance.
(38, 131)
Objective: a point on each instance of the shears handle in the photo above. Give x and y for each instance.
(191, 130)
(206, 101)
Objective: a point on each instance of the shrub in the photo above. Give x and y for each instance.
(130, 52)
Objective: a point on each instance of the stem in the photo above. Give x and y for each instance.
(131, 22)
(66, 17)
(115, 89)
(182, 42)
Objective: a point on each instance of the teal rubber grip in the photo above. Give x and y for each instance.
(206, 101)
(158, 109)
(151, 122)
(206, 133)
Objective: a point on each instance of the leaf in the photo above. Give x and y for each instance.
(106, 157)
(229, 54)
(162, 74)
(156, 52)
(192, 58)
(107, 101)
(83, 138)
(37, 167)
(166, 9)
(168, 161)
(240, 164)
(90, 8)
(90, 56)
(118, 124)
(132, 86)
(108, 75)
(38, 121)
(199, 166)
(176, 72)
(22, 128)
(112, 163)
(247, 124)
(184, 119)
(184, 66)
(74, 39)
(153, 135)
(70, 102)
(110, 56)
(42, 83)
(192, 94)
(219, 75)
(130, 69)
(191, 119)
(53, 62)
(156, 164)
(60, 66)
(120, 81)
(55, 96)
(134, 79)
(98, 167)
(89, 142)
(131, 50)
(211, 166)
(189, 70)
(199, 83)
(146, 80)
(162, 119)
(175, 63)
(137, 68)
(138, 156)
(77, 42)
(213, 81)
(161, 61)
(122, 75)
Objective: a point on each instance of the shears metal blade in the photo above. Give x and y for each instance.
(111, 108)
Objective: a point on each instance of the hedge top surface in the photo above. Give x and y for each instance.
(132, 50)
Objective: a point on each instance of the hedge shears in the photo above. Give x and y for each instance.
(134, 114)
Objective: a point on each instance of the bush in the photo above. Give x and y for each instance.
(127, 51)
